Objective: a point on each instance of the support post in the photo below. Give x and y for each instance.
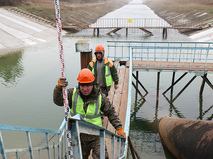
(30, 144)
(207, 81)
(140, 83)
(146, 31)
(97, 31)
(138, 91)
(164, 32)
(175, 82)
(137, 79)
(183, 88)
(173, 79)
(2, 150)
(93, 32)
(102, 144)
(158, 85)
(202, 86)
(86, 57)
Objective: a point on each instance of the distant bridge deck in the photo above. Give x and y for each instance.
(139, 23)
(148, 23)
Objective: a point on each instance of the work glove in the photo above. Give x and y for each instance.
(121, 132)
(62, 82)
(115, 86)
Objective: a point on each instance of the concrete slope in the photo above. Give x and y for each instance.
(18, 31)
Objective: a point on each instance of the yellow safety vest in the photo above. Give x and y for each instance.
(93, 110)
(108, 76)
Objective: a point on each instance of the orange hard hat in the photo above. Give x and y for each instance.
(99, 48)
(85, 76)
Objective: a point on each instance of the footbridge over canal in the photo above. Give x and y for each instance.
(144, 24)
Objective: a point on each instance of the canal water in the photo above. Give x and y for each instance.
(28, 77)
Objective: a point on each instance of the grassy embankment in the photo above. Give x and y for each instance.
(80, 14)
(184, 12)
(183, 5)
(72, 14)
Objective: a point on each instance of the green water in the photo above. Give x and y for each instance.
(28, 77)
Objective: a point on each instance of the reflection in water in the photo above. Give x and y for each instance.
(172, 107)
(11, 68)
(202, 113)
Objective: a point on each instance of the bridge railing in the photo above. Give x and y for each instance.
(35, 144)
(145, 23)
(25, 147)
(78, 125)
(194, 54)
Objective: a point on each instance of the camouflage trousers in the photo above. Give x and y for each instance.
(91, 143)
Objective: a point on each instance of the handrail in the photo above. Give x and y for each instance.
(144, 23)
(30, 149)
(127, 120)
(165, 56)
(78, 125)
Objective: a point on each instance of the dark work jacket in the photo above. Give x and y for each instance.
(106, 107)
(113, 70)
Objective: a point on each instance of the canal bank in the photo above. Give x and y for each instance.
(28, 78)
(79, 14)
(186, 12)
(34, 23)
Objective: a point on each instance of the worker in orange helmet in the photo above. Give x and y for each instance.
(81, 100)
(104, 70)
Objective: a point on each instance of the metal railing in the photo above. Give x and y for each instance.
(148, 23)
(78, 125)
(193, 55)
(57, 146)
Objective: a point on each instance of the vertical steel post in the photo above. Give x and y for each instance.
(102, 144)
(112, 147)
(54, 150)
(2, 150)
(173, 79)
(29, 144)
(48, 146)
(118, 143)
(74, 128)
(202, 86)
(158, 85)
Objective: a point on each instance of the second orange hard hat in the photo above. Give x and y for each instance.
(99, 48)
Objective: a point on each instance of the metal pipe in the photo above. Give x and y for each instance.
(187, 138)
